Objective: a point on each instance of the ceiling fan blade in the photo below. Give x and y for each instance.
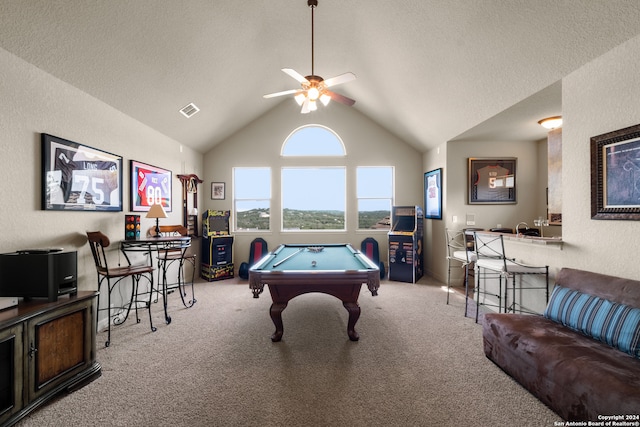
(286, 92)
(296, 75)
(340, 98)
(342, 78)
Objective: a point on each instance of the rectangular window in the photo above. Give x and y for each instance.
(252, 198)
(375, 196)
(314, 198)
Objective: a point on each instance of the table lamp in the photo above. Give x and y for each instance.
(157, 211)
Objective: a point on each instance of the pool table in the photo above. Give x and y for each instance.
(296, 269)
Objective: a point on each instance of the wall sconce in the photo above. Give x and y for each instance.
(551, 122)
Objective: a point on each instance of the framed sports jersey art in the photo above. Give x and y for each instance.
(77, 177)
(492, 181)
(150, 185)
(433, 194)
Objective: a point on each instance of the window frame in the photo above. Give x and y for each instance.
(269, 200)
(358, 198)
(344, 168)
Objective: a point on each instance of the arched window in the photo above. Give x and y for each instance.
(313, 140)
(313, 198)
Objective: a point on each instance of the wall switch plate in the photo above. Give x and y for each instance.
(454, 219)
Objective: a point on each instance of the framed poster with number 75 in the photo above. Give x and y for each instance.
(150, 185)
(76, 177)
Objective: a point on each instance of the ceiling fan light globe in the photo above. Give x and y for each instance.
(312, 105)
(299, 98)
(313, 93)
(325, 99)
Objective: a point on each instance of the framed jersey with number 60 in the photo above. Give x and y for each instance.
(79, 178)
(150, 185)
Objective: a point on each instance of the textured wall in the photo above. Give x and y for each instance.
(34, 102)
(366, 143)
(597, 98)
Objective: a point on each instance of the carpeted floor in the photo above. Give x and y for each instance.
(419, 362)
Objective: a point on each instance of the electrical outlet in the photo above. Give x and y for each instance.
(471, 219)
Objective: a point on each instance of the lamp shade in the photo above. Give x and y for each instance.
(156, 211)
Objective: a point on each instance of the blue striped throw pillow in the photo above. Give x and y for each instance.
(615, 324)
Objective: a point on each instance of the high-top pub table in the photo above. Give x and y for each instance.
(148, 245)
(335, 269)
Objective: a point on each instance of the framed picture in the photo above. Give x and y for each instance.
(615, 175)
(217, 191)
(150, 185)
(433, 194)
(76, 177)
(492, 181)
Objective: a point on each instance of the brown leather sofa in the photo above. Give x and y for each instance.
(577, 376)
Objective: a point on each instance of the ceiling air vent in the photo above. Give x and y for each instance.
(189, 110)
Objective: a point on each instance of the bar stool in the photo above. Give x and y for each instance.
(176, 253)
(114, 276)
(491, 257)
(458, 252)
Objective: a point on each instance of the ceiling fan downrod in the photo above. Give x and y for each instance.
(312, 4)
(315, 87)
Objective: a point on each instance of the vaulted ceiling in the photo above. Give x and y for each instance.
(429, 71)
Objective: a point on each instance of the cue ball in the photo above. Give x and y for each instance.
(313, 263)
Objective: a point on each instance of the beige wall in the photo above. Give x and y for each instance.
(600, 97)
(34, 102)
(367, 144)
(528, 193)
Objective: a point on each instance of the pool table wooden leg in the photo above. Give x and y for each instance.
(276, 316)
(354, 314)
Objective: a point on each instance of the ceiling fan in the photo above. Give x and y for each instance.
(314, 87)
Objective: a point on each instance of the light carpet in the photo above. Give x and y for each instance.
(419, 362)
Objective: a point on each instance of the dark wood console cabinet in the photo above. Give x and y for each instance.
(45, 348)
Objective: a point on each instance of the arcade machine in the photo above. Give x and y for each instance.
(406, 257)
(217, 244)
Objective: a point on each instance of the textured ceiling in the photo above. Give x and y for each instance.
(428, 70)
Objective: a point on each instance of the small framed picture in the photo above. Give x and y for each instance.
(217, 191)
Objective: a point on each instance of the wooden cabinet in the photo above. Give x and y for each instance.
(10, 371)
(45, 348)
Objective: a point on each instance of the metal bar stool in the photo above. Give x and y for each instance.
(114, 276)
(176, 253)
(458, 252)
(491, 257)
